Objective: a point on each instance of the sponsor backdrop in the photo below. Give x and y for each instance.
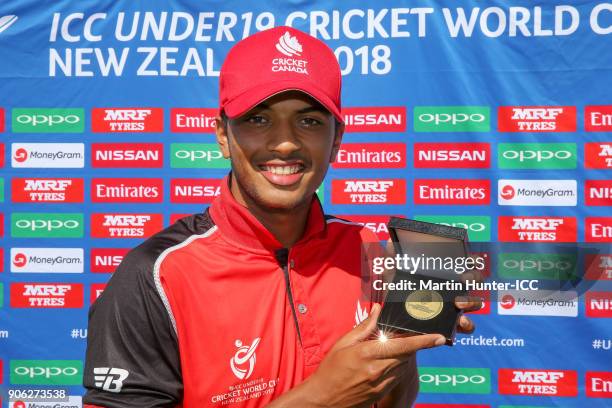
(494, 116)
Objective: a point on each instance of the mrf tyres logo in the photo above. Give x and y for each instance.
(452, 119)
(127, 155)
(110, 378)
(46, 372)
(371, 156)
(47, 225)
(537, 156)
(47, 190)
(538, 382)
(599, 267)
(538, 303)
(452, 155)
(458, 192)
(536, 229)
(125, 225)
(536, 118)
(31, 120)
(375, 119)
(134, 120)
(47, 295)
(197, 156)
(598, 155)
(47, 260)
(48, 155)
(454, 380)
(537, 192)
(373, 191)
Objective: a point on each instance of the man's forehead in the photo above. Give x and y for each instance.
(300, 100)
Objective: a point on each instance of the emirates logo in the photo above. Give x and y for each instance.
(288, 45)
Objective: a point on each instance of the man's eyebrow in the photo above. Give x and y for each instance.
(313, 108)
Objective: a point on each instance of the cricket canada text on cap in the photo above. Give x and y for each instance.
(277, 60)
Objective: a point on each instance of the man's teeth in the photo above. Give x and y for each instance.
(283, 170)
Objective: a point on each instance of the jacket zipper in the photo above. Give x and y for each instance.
(282, 257)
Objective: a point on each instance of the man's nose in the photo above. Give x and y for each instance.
(284, 138)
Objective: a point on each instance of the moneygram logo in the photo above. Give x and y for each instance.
(525, 265)
(47, 155)
(47, 295)
(598, 118)
(126, 190)
(457, 192)
(46, 372)
(599, 384)
(538, 303)
(478, 227)
(47, 260)
(201, 191)
(598, 304)
(127, 155)
(598, 267)
(598, 229)
(537, 156)
(193, 120)
(537, 192)
(70, 401)
(560, 383)
(598, 192)
(197, 156)
(47, 225)
(55, 120)
(452, 119)
(536, 229)
(452, 155)
(106, 260)
(133, 120)
(598, 155)
(47, 190)
(536, 118)
(455, 380)
(125, 225)
(375, 119)
(379, 191)
(376, 223)
(371, 156)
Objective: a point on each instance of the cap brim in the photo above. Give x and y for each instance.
(257, 94)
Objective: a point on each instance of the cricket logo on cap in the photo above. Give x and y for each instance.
(289, 45)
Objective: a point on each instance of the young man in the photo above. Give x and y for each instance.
(260, 299)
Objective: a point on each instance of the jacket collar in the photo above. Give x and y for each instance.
(240, 227)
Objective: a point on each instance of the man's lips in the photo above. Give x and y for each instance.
(282, 173)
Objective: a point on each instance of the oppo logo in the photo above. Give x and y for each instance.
(194, 155)
(46, 225)
(453, 118)
(474, 227)
(539, 266)
(48, 120)
(453, 380)
(45, 372)
(538, 155)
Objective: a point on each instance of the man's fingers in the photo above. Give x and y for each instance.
(468, 303)
(364, 330)
(466, 325)
(403, 347)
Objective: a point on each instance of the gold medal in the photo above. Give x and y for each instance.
(424, 304)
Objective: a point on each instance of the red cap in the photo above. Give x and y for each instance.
(277, 60)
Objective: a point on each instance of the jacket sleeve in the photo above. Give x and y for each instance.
(132, 357)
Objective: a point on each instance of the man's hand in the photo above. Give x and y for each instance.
(360, 369)
(468, 303)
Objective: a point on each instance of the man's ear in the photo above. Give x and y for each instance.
(337, 141)
(221, 130)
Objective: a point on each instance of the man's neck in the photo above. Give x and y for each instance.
(287, 227)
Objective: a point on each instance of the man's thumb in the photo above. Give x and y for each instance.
(365, 329)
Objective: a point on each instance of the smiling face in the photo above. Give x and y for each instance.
(280, 151)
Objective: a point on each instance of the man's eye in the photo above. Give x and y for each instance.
(311, 122)
(256, 120)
